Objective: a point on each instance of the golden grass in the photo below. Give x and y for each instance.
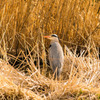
(82, 83)
(23, 23)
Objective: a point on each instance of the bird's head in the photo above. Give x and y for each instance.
(52, 37)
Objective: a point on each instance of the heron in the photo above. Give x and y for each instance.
(56, 55)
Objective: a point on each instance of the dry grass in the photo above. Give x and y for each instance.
(83, 82)
(23, 23)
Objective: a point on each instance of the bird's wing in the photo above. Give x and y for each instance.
(56, 56)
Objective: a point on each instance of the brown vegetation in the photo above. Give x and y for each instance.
(23, 23)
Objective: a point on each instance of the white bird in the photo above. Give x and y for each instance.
(56, 55)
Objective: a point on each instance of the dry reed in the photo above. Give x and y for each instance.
(23, 23)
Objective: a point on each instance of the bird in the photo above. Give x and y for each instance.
(56, 55)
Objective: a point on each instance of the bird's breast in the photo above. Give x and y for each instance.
(56, 51)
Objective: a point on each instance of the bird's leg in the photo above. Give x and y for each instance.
(56, 74)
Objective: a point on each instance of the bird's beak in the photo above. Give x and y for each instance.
(47, 37)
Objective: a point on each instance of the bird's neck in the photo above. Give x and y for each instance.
(53, 41)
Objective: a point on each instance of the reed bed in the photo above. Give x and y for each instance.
(82, 82)
(24, 69)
